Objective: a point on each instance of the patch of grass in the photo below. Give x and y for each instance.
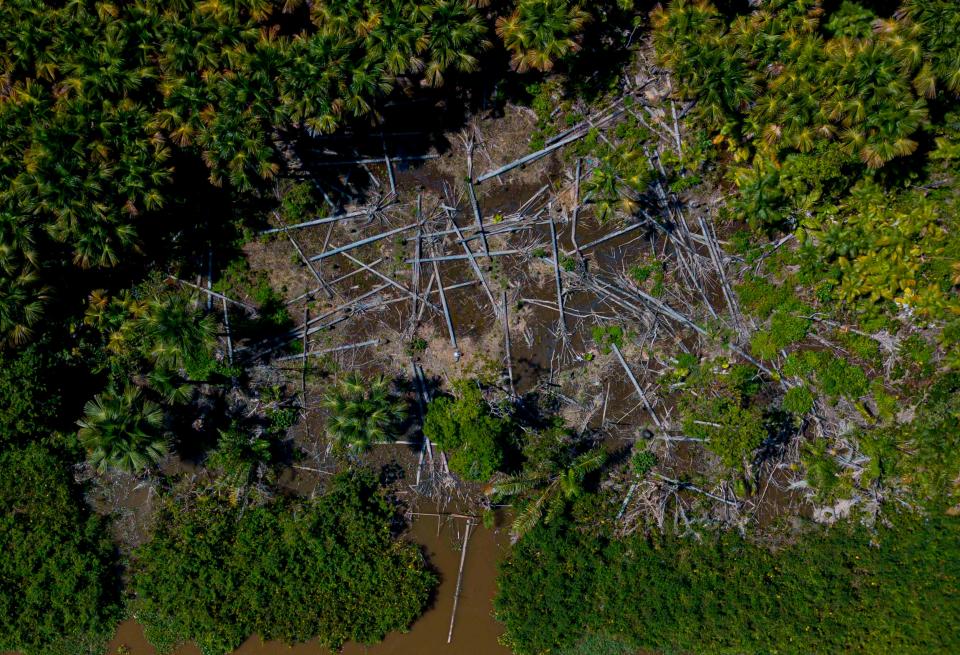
(605, 335)
(798, 400)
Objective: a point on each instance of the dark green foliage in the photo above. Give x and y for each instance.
(553, 476)
(58, 582)
(835, 376)
(786, 329)
(239, 281)
(824, 474)
(153, 330)
(729, 429)
(540, 32)
(843, 590)
(29, 397)
(861, 346)
(918, 354)
(642, 462)
(719, 406)
(922, 455)
(464, 427)
(240, 454)
(326, 569)
(831, 116)
(840, 378)
(762, 297)
(417, 346)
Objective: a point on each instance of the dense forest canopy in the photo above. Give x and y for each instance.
(328, 569)
(736, 431)
(58, 574)
(846, 591)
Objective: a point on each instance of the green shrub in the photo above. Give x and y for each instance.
(730, 431)
(762, 297)
(327, 569)
(58, 573)
(29, 398)
(463, 426)
(846, 589)
(642, 462)
(839, 378)
(798, 400)
(607, 335)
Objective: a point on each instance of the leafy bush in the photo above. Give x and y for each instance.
(798, 400)
(608, 335)
(29, 399)
(846, 589)
(239, 453)
(835, 376)
(464, 427)
(839, 378)
(642, 462)
(718, 405)
(761, 297)
(730, 430)
(327, 569)
(58, 580)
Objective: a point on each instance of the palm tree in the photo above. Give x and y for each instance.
(21, 304)
(122, 431)
(552, 487)
(539, 32)
(456, 32)
(362, 411)
(240, 454)
(176, 333)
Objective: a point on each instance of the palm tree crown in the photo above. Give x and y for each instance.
(362, 411)
(122, 431)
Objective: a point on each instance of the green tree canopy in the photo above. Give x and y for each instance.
(328, 568)
(58, 581)
(842, 590)
(465, 428)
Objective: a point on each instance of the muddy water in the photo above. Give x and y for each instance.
(475, 631)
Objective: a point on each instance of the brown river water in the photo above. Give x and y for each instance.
(475, 631)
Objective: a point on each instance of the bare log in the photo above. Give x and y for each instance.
(506, 339)
(456, 594)
(612, 235)
(362, 242)
(320, 221)
(543, 152)
(556, 273)
(473, 199)
(390, 281)
(226, 325)
(374, 160)
(449, 258)
(332, 282)
(636, 386)
(576, 207)
(446, 313)
(327, 351)
(250, 308)
(473, 260)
